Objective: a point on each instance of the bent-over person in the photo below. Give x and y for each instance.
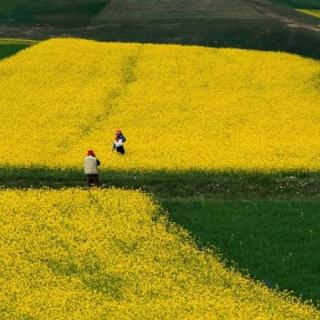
(91, 170)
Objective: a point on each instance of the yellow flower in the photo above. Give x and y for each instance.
(110, 254)
(180, 107)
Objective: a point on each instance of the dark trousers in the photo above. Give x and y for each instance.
(93, 180)
(120, 150)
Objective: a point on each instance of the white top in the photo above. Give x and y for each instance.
(118, 143)
(90, 165)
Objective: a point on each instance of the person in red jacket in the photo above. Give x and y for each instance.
(91, 170)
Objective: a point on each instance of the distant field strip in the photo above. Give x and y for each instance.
(187, 9)
(9, 47)
(181, 108)
(76, 254)
(17, 41)
(9, 5)
(315, 13)
(74, 12)
(310, 4)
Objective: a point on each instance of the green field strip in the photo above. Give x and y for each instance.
(7, 6)
(273, 241)
(10, 47)
(17, 41)
(52, 12)
(239, 185)
(307, 4)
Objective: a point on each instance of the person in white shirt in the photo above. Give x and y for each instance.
(119, 141)
(91, 170)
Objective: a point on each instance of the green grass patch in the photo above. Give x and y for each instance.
(179, 184)
(276, 242)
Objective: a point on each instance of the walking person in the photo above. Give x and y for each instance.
(91, 170)
(119, 141)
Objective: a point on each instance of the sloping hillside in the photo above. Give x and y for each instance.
(109, 254)
(180, 107)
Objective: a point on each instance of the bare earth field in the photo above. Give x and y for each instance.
(257, 24)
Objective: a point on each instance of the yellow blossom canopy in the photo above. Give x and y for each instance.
(110, 254)
(180, 107)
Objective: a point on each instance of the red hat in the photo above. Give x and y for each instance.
(118, 130)
(91, 153)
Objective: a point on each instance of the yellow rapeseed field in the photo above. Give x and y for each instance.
(111, 254)
(180, 107)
